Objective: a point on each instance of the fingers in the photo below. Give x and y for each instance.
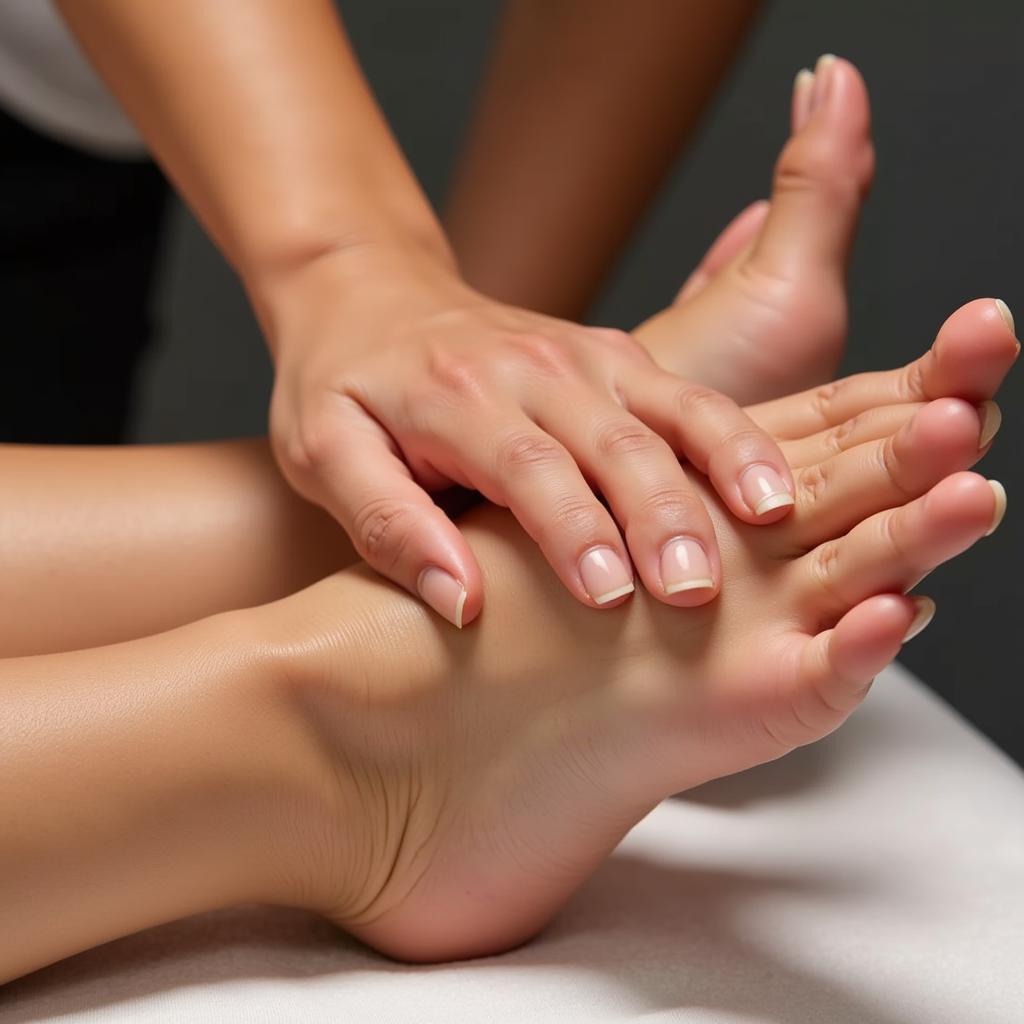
(355, 474)
(739, 233)
(518, 464)
(969, 359)
(821, 176)
(744, 464)
(668, 530)
(836, 494)
(890, 551)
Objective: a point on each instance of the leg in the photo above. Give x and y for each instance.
(216, 528)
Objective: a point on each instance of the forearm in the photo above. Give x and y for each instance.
(262, 117)
(583, 111)
(141, 783)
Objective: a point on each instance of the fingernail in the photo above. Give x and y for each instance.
(991, 420)
(685, 566)
(605, 575)
(443, 592)
(924, 614)
(822, 80)
(763, 489)
(1004, 312)
(997, 516)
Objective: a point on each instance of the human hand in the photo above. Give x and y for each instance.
(394, 379)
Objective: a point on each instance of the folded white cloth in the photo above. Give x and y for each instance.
(875, 878)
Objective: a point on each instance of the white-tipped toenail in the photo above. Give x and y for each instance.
(1004, 312)
(826, 60)
(991, 421)
(1000, 510)
(924, 614)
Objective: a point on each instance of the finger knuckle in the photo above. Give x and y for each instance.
(312, 445)
(527, 451)
(575, 517)
(696, 399)
(624, 437)
(456, 375)
(671, 506)
(382, 530)
(544, 356)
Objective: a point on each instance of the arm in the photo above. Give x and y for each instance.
(384, 355)
(584, 108)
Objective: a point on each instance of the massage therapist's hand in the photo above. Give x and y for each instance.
(394, 379)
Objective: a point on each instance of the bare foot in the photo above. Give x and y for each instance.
(765, 313)
(474, 779)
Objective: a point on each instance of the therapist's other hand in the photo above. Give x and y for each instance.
(394, 379)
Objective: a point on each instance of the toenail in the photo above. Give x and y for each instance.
(924, 614)
(991, 420)
(1004, 312)
(1000, 510)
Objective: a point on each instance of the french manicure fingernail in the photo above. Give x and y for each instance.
(443, 592)
(1000, 510)
(685, 566)
(764, 489)
(924, 614)
(605, 575)
(822, 80)
(991, 420)
(1004, 312)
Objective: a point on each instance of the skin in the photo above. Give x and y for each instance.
(582, 91)
(441, 794)
(383, 353)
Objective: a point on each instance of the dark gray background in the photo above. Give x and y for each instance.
(943, 226)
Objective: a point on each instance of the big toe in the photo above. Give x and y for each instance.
(822, 175)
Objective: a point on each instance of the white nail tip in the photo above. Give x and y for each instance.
(925, 613)
(617, 592)
(1004, 312)
(1000, 510)
(804, 79)
(699, 584)
(459, 605)
(991, 421)
(773, 501)
(824, 61)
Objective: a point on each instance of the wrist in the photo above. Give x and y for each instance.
(347, 270)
